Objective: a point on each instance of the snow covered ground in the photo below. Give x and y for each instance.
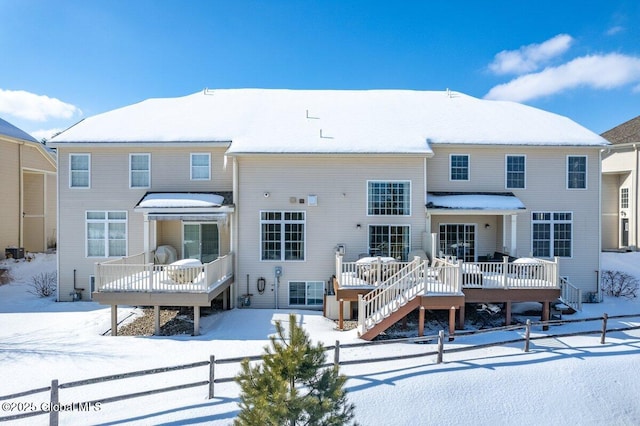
(572, 380)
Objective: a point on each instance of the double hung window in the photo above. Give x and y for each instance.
(79, 170)
(139, 170)
(576, 172)
(458, 167)
(200, 166)
(515, 171)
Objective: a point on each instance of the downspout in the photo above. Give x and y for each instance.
(234, 227)
(637, 192)
(21, 194)
(599, 227)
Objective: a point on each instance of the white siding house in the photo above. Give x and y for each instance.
(306, 175)
(620, 228)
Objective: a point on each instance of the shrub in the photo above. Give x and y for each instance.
(619, 284)
(290, 387)
(44, 284)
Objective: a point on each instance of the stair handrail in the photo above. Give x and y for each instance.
(393, 278)
(400, 292)
(570, 294)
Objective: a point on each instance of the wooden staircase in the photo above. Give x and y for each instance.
(391, 301)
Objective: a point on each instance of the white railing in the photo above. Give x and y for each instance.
(126, 274)
(570, 294)
(523, 274)
(376, 306)
(359, 274)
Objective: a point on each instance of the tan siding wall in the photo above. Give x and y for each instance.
(36, 170)
(340, 184)
(610, 211)
(545, 191)
(110, 192)
(51, 223)
(621, 166)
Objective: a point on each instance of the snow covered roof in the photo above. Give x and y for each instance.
(8, 129)
(169, 200)
(503, 201)
(329, 121)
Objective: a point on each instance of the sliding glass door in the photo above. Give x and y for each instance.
(200, 241)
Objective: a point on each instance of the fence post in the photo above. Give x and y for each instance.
(53, 410)
(604, 328)
(212, 374)
(527, 335)
(440, 346)
(336, 355)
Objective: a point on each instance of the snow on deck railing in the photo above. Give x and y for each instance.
(123, 275)
(521, 274)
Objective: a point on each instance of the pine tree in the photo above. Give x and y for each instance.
(290, 386)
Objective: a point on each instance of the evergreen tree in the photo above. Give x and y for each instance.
(290, 386)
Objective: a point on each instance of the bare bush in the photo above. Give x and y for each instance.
(5, 277)
(44, 284)
(619, 284)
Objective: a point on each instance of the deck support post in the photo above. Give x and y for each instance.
(507, 313)
(545, 314)
(341, 315)
(156, 320)
(452, 322)
(421, 322)
(114, 320)
(225, 297)
(196, 320)
(461, 317)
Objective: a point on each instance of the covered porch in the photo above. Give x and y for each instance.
(187, 258)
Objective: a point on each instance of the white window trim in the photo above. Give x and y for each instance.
(389, 181)
(78, 154)
(586, 173)
(306, 294)
(106, 222)
(506, 170)
(131, 171)
(625, 189)
(468, 167)
(552, 236)
(388, 225)
(282, 233)
(191, 155)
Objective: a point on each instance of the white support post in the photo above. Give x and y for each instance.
(514, 235)
(196, 320)
(434, 245)
(145, 238)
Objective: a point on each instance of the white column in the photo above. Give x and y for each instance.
(505, 241)
(147, 252)
(514, 233)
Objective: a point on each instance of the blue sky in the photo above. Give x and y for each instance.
(63, 60)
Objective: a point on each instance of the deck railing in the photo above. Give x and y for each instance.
(358, 274)
(133, 275)
(570, 294)
(522, 274)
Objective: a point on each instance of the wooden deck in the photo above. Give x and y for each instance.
(444, 285)
(129, 281)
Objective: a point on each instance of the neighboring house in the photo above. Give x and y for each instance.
(300, 185)
(28, 207)
(620, 187)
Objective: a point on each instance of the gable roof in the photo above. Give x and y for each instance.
(8, 129)
(626, 132)
(329, 121)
